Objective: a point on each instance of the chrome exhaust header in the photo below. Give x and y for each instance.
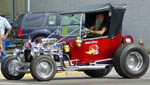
(90, 67)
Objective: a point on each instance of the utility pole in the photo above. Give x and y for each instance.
(27, 5)
(13, 10)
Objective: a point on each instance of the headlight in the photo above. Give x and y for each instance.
(16, 52)
(34, 51)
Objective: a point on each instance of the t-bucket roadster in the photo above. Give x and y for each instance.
(74, 51)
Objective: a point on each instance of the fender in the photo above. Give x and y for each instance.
(44, 32)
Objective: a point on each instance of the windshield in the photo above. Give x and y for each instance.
(71, 24)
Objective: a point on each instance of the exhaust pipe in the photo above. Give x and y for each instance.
(90, 67)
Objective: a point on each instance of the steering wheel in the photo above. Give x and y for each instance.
(84, 32)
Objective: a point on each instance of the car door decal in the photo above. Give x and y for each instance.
(93, 49)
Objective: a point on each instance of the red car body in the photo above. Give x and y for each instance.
(105, 49)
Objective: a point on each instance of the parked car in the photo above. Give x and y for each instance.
(95, 56)
(35, 25)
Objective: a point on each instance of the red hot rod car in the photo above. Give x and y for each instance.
(76, 51)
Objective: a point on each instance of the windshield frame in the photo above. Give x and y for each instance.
(80, 24)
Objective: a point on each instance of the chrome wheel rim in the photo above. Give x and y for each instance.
(134, 61)
(13, 67)
(44, 68)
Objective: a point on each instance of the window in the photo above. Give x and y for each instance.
(51, 20)
(34, 20)
(98, 21)
(71, 19)
(71, 25)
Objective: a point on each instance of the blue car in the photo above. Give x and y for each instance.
(35, 25)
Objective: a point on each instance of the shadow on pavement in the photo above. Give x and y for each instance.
(69, 78)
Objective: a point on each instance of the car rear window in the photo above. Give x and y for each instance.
(34, 20)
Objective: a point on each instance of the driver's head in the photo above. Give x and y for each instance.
(102, 15)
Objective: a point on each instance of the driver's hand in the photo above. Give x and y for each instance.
(91, 31)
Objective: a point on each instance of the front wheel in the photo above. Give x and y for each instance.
(43, 68)
(131, 61)
(9, 69)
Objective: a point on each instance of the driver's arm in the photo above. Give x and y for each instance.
(101, 32)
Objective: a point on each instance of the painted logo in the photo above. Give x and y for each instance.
(93, 49)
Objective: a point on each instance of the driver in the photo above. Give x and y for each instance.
(101, 25)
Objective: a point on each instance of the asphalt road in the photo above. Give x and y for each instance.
(111, 79)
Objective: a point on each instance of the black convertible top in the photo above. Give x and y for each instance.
(117, 14)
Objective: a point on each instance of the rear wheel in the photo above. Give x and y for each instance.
(131, 61)
(98, 73)
(43, 68)
(9, 69)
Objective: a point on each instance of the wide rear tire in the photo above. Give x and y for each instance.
(131, 61)
(43, 68)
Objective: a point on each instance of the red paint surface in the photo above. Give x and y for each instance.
(106, 49)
